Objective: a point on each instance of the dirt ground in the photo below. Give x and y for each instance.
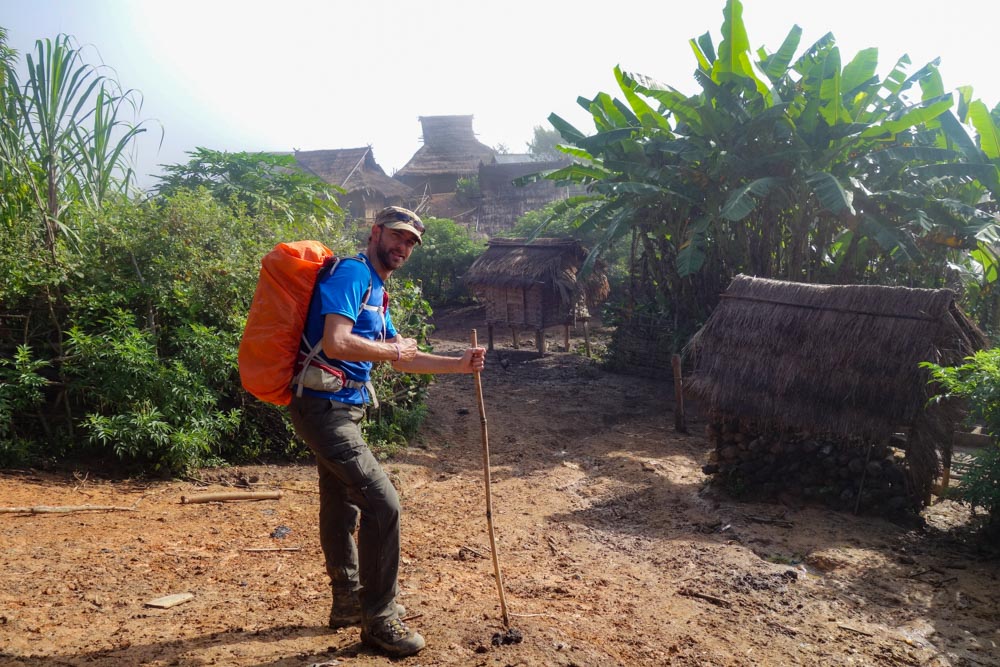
(613, 548)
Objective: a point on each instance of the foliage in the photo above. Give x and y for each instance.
(562, 220)
(439, 263)
(259, 183)
(786, 165)
(543, 144)
(978, 383)
(65, 134)
(401, 395)
(121, 316)
(467, 189)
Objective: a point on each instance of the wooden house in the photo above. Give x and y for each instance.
(450, 151)
(502, 203)
(355, 170)
(535, 285)
(808, 387)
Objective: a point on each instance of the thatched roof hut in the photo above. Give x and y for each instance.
(355, 170)
(836, 359)
(535, 284)
(450, 151)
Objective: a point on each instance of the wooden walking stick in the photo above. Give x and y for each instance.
(489, 493)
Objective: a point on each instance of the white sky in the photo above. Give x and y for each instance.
(296, 74)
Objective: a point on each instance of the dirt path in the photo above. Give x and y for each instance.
(613, 553)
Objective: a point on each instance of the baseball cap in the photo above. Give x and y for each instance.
(397, 217)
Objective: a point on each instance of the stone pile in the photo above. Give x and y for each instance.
(842, 474)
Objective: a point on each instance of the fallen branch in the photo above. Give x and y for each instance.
(855, 631)
(470, 550)
(65, 509)
(703, 596)
(264, 549)
(231, 495)
(774, 522)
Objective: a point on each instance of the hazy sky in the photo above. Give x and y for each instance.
(304, 75)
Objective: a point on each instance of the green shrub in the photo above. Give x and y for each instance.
(441, 261)
(401, 395)
(978, 383)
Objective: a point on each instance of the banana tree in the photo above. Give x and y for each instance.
(800, 168)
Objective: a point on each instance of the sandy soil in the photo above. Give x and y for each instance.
(614, 551)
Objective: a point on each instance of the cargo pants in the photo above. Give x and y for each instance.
(352, 485)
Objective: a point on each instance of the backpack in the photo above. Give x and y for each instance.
(272, 337)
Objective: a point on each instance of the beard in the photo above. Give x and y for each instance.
(386, 258)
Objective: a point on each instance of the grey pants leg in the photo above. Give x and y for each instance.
(352, 484)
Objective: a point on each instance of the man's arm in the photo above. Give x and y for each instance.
(340, 343)
(472, 361)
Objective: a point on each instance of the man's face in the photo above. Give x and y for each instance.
(393, 246)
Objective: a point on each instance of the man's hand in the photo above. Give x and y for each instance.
(407, 348)
(473, 361)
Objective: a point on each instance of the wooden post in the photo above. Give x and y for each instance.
(586, 337)
(540, 340)
(489, 336)
(680, 424)
(515, 337)
(566, 338)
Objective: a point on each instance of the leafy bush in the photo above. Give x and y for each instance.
(467, 189)
(401, 395)
(440, 262)
(978, 383)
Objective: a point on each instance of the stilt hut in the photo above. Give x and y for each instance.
(817, 391)
(355, 170)
(535, 285)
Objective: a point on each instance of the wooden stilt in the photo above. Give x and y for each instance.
(680, 423)
(540, 340)
(566, 338)
(489, 336)
(514, 335)
(586, 337)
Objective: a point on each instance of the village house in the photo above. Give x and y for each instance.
(355, 170)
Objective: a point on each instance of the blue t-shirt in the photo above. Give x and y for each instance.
(340, 293)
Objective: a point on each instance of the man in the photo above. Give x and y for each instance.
(348, 318)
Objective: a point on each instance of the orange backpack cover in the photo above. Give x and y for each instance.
(270, 342)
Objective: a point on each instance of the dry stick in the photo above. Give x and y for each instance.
(269, 549)
(44, 509)
(704, 596)
(489, 494)
(231, 495)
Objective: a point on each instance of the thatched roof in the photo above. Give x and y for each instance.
(841, 359)
(450, 147)
(550, 263)
(352, 169)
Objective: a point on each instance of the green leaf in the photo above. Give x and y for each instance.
(578, 172)
(860, 70)
(734, 42)
(568, 132)
(776, 65)
(910, 117)
(989, 132)
(691, 256)
(830, 193)
(888, 238)
(741, 202)
(647, 116)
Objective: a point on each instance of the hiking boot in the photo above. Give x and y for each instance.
(346, 610)
(391, 636)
